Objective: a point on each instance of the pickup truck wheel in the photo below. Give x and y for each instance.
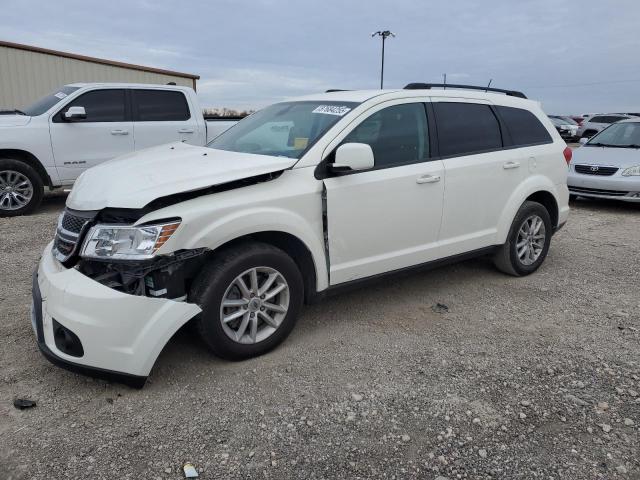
(250, 298)
(528, 241)
(21, 188)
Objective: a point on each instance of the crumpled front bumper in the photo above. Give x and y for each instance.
(121, 334)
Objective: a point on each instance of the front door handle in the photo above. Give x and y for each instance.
(186, 130)
(428, 179)
(119, 132)
(510, 165)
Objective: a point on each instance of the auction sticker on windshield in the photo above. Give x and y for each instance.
(338, 110)
(60, 95)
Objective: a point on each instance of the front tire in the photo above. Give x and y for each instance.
(528, 241)
(250, 297)
(21, 188)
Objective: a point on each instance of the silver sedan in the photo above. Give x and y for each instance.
(608, 164)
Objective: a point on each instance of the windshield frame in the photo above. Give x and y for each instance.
(47, 102)
(351, 105)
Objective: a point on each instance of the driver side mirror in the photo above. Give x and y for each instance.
(583, 140)
(75, 113)
(352, 157)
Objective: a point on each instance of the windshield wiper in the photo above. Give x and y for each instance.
(598, 144)
(630, 145)
(12, 112)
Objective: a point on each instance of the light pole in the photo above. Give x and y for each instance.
(383, 34)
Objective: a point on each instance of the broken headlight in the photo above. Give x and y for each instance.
(126, 242)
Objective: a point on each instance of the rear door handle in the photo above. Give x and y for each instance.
(428, 179)
(119, 132)
(186, 130)
(510, 165)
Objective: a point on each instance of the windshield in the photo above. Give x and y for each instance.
(45, 103)
(618, 135)
(285, 129)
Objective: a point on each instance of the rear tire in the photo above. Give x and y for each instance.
(528, 241)
(253, 320)
(21, 188)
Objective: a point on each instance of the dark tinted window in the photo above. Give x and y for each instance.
(465, 128)
(606, 119)
(101, 106)
(160, 106)
(397, 135)
(524, 127)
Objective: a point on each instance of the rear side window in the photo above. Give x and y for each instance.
(524, 127)
(101, 106)
(397, 135)
(466, 128)
(160, 106)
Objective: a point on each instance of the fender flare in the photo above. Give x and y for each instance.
(532, 185)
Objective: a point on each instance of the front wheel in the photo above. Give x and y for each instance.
(250, 297)
(528, 241)
(21, 188)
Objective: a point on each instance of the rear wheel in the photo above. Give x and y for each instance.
(528, 241)
(21, 188)
(250, 298)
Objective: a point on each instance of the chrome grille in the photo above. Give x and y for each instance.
(71, 228)
(596, 170)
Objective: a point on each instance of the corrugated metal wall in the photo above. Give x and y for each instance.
(26, 76)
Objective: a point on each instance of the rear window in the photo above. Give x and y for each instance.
(466, 128)
(606, 119)
(160, 106)
(524, 127)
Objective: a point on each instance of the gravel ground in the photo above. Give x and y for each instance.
(535, 377)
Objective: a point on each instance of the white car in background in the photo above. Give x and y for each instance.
(596, 123)
(51, 142)
(301, 198)
(608, 164)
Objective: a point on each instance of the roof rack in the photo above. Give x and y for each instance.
(428, 86)
(331, 90)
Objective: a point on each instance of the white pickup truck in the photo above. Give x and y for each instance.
(51, 142)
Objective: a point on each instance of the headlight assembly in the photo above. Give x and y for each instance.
(126, 242)
(631, 171)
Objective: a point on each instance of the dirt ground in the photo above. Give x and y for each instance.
(535, 377)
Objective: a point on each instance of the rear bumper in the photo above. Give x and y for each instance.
(121, 334)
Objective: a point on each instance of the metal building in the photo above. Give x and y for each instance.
(28, 73)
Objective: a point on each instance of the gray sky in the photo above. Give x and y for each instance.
(575, 56)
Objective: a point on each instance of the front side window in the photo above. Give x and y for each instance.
(285, 129)
(466, 128)
(619, 135)
(524, 127)
(160, 106)
(101, 106)
(45, 103)
(397, 135)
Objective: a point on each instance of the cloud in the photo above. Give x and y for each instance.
(250, 53)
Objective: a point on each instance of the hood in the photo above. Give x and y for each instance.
(14, 120)
(136, 179)
(619, 157)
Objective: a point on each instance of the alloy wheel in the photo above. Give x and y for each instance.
(16, 190)
(254, 305)
(531, 239)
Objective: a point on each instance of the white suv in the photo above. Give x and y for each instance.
(297, 200)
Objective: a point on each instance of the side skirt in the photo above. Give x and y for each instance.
(360, 282)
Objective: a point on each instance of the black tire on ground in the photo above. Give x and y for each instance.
(506, 258)
(210, 285)
(11, 165)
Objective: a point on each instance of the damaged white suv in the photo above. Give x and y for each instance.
(299, 199)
